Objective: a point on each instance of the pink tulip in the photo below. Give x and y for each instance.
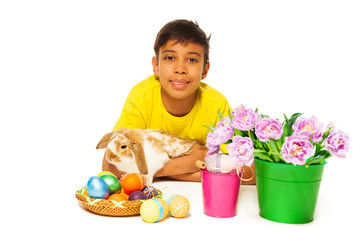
(268, 128)
(337, 143)
(307, 127)
(241, 150)
(297, 149)
(222, 133)
(245, 119)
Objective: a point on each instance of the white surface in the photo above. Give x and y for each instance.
(66, 68)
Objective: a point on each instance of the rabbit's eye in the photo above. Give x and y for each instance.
(123, 146)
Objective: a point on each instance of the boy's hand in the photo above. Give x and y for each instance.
(184, 164)
(182, 168)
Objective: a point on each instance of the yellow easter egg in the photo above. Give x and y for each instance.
(154, 210)
(106, 173)
(179, 206)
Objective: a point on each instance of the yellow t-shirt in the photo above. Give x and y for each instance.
(143, 109)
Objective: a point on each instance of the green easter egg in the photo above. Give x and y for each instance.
(112, 182)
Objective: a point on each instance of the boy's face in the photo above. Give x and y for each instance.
(180, 69)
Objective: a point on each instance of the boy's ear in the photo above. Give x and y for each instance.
(205, 70)
(155, 66)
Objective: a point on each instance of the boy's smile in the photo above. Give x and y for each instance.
(180, 69)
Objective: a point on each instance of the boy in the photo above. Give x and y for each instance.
(174, 99)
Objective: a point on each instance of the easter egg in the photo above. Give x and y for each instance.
(97, 188)
(86, 193)
(179, 206)
(106, 173)
(150, 192)
(112, 182)
(125, 195)
(137, 195)
(154, 210)
(132, 182)
(118, 197)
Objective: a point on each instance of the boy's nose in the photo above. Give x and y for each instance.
(180, 68)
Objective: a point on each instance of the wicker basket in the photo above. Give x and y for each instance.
(110, 207)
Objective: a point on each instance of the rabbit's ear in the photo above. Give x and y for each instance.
(140, 158)
(108, 137)
(105, 140)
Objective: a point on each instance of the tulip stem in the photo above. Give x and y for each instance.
(274, 147)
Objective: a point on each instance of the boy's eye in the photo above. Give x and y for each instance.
(192, 60)
(169, 58)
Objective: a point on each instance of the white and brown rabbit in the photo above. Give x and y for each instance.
(143, 150)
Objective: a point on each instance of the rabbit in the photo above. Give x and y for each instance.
(143, 151)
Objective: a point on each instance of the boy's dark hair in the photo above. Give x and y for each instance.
(184, 31)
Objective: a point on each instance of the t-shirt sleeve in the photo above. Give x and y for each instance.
(132, 116)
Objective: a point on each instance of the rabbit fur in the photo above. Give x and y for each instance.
(143, 151)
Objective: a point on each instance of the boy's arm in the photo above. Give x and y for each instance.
(182, 168)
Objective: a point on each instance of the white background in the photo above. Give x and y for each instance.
(66, 68)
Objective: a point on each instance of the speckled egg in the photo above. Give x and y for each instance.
(179, 206)
(154, 210)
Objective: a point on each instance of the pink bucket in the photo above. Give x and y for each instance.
(220, 193)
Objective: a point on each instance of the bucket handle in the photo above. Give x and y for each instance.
(238, 169)
(200, 164)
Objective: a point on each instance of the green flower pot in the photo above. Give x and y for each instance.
(287, 193)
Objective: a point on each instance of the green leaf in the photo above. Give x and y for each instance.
(317, 148)
(258, 144)
(294, 117)
(324, 154)
(219, 115)
(230, 114)
(209, 127)
(315, 161)
(266, 146)
(286, 119)
(237, 132)
(252, 135)
(262, 156)
(276, 151)
(287, 131)
(326, 134)
(319, 158)
(310, 139)
(287, 126)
